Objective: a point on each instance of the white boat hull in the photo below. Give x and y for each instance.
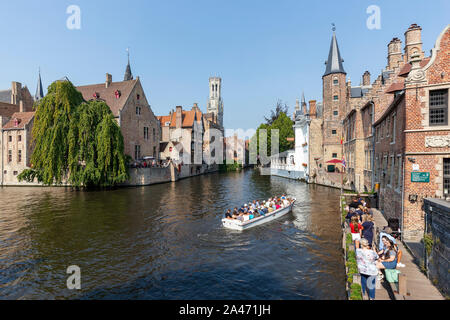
(238, 225)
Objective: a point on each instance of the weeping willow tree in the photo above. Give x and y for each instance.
(75, 141)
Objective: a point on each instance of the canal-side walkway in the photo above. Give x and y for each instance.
(418, 286)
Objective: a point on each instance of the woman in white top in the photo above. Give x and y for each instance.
(367, 267)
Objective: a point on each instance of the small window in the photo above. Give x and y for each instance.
(446, 176)
(335, 98)
(137, 152)
(335, 112)
(10, 138)
(334, 155)
(15, 173)
(19, 156)
(9, 155)
(19, 138)
(438, 106)
(335, 82)
(138, 110)
(333, 132)
(138, 97)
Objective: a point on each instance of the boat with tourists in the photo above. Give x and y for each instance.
(258, 214)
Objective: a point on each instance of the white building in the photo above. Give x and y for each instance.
(294, 164)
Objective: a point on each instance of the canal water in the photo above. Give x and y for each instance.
(166, 242)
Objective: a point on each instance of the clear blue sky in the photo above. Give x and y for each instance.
(263, 50)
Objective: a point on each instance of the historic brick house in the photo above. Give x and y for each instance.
(16, 122)
(412, 148)
(183, 130)
(126, 99)
(396, 135)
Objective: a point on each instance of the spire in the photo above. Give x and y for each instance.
(128, 75)
(39, 91)
(304, 106)
(334, 62)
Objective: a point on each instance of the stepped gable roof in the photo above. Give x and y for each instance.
(108, 95)
(19, 120)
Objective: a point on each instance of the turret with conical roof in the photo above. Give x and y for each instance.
(334, 62)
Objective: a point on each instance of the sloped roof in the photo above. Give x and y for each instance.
(108, 94)
(187, 118)
(404, 71)
(5, 96)
(358, 92)
(23, 119)
(7, 109)
(396, 86)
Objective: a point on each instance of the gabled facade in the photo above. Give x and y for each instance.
(185, 127)
(129, 105)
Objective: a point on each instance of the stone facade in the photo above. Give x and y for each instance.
(186, 128)
(16, 147)
(139, 126)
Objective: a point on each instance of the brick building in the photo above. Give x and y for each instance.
(186, 128)
(16, 121)
(128, 103)
(16, 146)
(401, 122)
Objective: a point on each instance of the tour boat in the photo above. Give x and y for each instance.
(239, 225)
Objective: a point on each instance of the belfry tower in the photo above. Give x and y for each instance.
(215, 102)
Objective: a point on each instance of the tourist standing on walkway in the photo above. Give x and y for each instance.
(367, 267)
(356, 230)
(367, 232)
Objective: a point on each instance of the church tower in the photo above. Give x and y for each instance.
(215, 102)
(335, 100)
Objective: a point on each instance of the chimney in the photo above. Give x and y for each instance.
(16, 88)
(108, 80)
(179, 117)
(394, 53)
(413, 42)
(366, 78)
(312, 109)
(21, 106)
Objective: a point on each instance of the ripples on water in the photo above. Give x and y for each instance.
(166, 242)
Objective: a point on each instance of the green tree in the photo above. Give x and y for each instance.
(75, 141)
(278, 120)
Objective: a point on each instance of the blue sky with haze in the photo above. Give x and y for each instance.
(263, 50)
